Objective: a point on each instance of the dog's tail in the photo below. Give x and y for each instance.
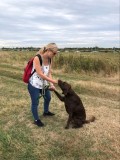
(91, 119)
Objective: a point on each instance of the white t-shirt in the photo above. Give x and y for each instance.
(36, 81)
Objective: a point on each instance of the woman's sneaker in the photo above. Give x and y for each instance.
(48, 114)
(38, 123)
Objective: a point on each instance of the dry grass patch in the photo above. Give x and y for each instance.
(98, 86)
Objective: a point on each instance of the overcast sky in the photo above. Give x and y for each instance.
(68, 23)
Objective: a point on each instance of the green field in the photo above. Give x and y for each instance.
(96, 81)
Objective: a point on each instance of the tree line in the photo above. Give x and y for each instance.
(83, 49)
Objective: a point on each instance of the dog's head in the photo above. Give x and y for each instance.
(65, 87)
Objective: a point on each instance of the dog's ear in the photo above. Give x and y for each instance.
(67, 89)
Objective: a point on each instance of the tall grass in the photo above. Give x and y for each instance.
(105, 63)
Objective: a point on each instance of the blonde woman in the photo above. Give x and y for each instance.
(40, 79)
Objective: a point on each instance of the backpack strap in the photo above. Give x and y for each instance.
(33, 72)
(40, 58)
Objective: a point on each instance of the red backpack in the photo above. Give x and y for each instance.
(28, 69)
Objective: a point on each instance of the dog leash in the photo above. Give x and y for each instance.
(46, 87)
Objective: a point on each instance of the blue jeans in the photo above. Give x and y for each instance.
(34, 94)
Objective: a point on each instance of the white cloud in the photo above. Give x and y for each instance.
(75, 22)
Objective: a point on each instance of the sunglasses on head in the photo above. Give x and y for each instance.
(54, 53)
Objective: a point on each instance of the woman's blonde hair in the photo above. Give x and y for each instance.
(51, 46)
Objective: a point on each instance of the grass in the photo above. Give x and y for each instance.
(99, 63)
(20, 139)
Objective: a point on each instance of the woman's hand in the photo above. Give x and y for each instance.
(55, 82)
(52, 87)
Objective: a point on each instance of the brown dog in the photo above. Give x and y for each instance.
(73, 105)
